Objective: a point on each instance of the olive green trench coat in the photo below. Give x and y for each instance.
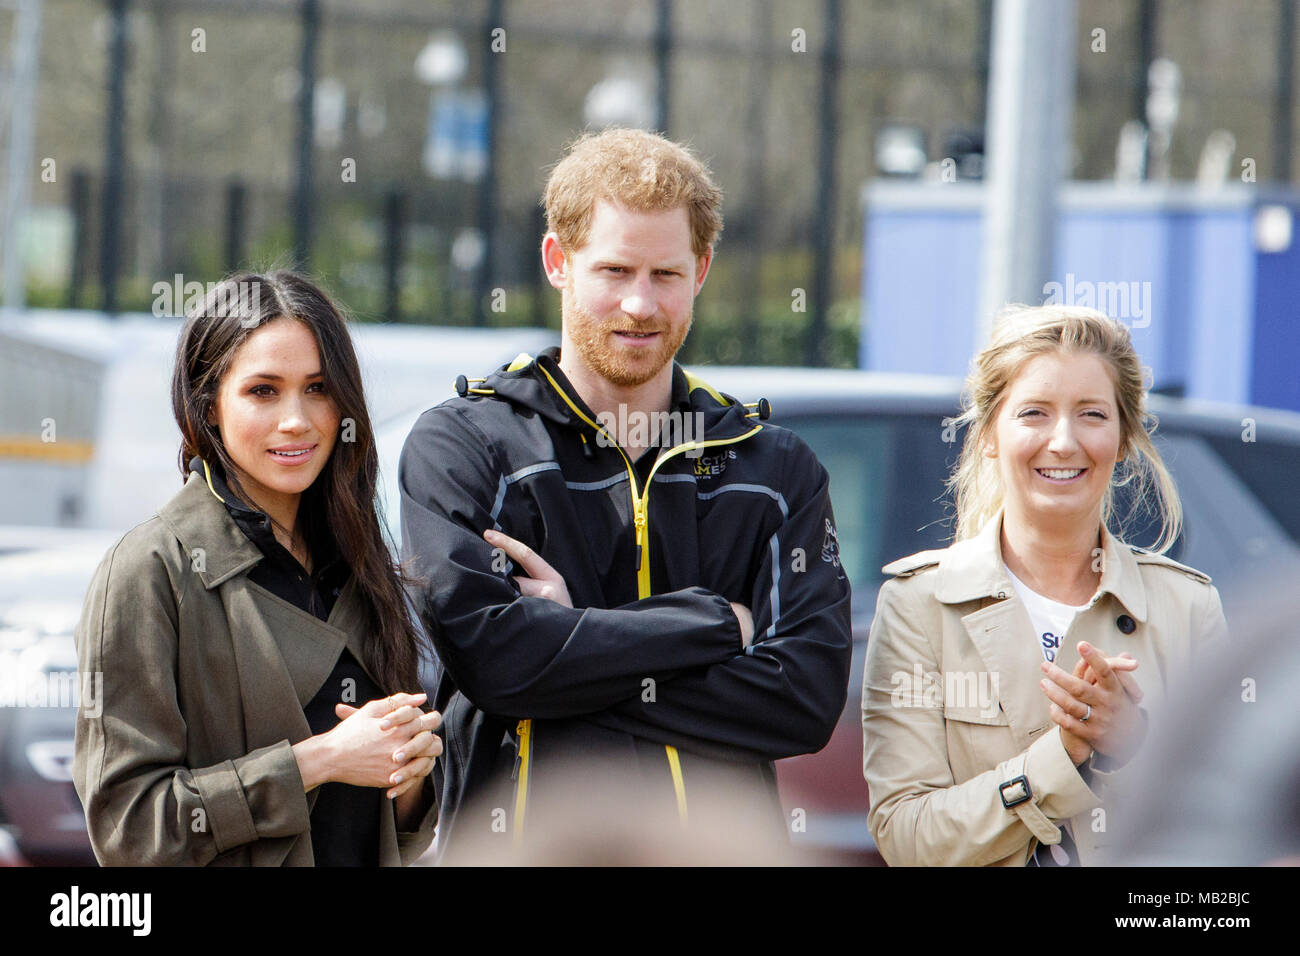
(205, 675)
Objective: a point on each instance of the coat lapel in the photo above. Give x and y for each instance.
(999, 627)
(284, 651)
(283, 655)
(349, 617)
(1121, 576)
(220, 554)
(217, 549)
(277, 638)
(1002, 635)
(1121, 580)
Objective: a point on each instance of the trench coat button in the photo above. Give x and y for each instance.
(1125, 624)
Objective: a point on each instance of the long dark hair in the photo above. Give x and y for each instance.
(339, 506)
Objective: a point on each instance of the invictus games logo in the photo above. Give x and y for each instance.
(831, 546)
(710, 466)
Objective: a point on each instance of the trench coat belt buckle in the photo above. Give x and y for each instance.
(1015, 791)
(1018, 797)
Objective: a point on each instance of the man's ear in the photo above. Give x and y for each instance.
(702, 264)
(554, 261)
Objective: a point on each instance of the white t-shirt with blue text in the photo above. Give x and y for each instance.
(1051, 620)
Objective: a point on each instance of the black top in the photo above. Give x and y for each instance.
(345, 819)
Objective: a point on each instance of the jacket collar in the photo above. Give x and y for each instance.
(200, 521)
(549, 361)
(538, 384)
(204, 527)
(972, 569)
(256, 524)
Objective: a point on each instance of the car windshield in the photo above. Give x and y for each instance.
(887, 476)
(1268, 469)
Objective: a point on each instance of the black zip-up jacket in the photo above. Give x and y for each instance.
(646, 670)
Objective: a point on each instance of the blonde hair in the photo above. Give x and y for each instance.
(642, 171)
(1021, 333)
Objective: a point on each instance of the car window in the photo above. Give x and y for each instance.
(1268, 469)
(1136, 522)
(888, 472)
(887, 476)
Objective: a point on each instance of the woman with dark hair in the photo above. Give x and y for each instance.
(256, 648)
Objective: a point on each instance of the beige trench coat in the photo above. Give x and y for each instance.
(952, 707)
(205, 676)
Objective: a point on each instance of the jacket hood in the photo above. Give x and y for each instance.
(537, 384)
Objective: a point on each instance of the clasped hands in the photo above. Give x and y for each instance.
(1096, 707)
(391, 740)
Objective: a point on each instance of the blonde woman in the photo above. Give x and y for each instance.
(1009, 676)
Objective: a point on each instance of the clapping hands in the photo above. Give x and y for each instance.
(1096, 707)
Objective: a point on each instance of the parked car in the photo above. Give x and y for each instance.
(888, 442)
(43, 579)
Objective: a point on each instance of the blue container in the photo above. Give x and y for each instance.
(1209, 306)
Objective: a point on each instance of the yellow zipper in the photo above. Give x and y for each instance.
(641, 519)
(643, 578)
(643, 584)
(521, 794)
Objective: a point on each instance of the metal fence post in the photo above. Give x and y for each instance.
(1283, 128)
(114, 155)
(393, 234)
(302, 196)
(236, 193)
(79, 189)
(487, 192)
(663, 49)
(824, 227)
